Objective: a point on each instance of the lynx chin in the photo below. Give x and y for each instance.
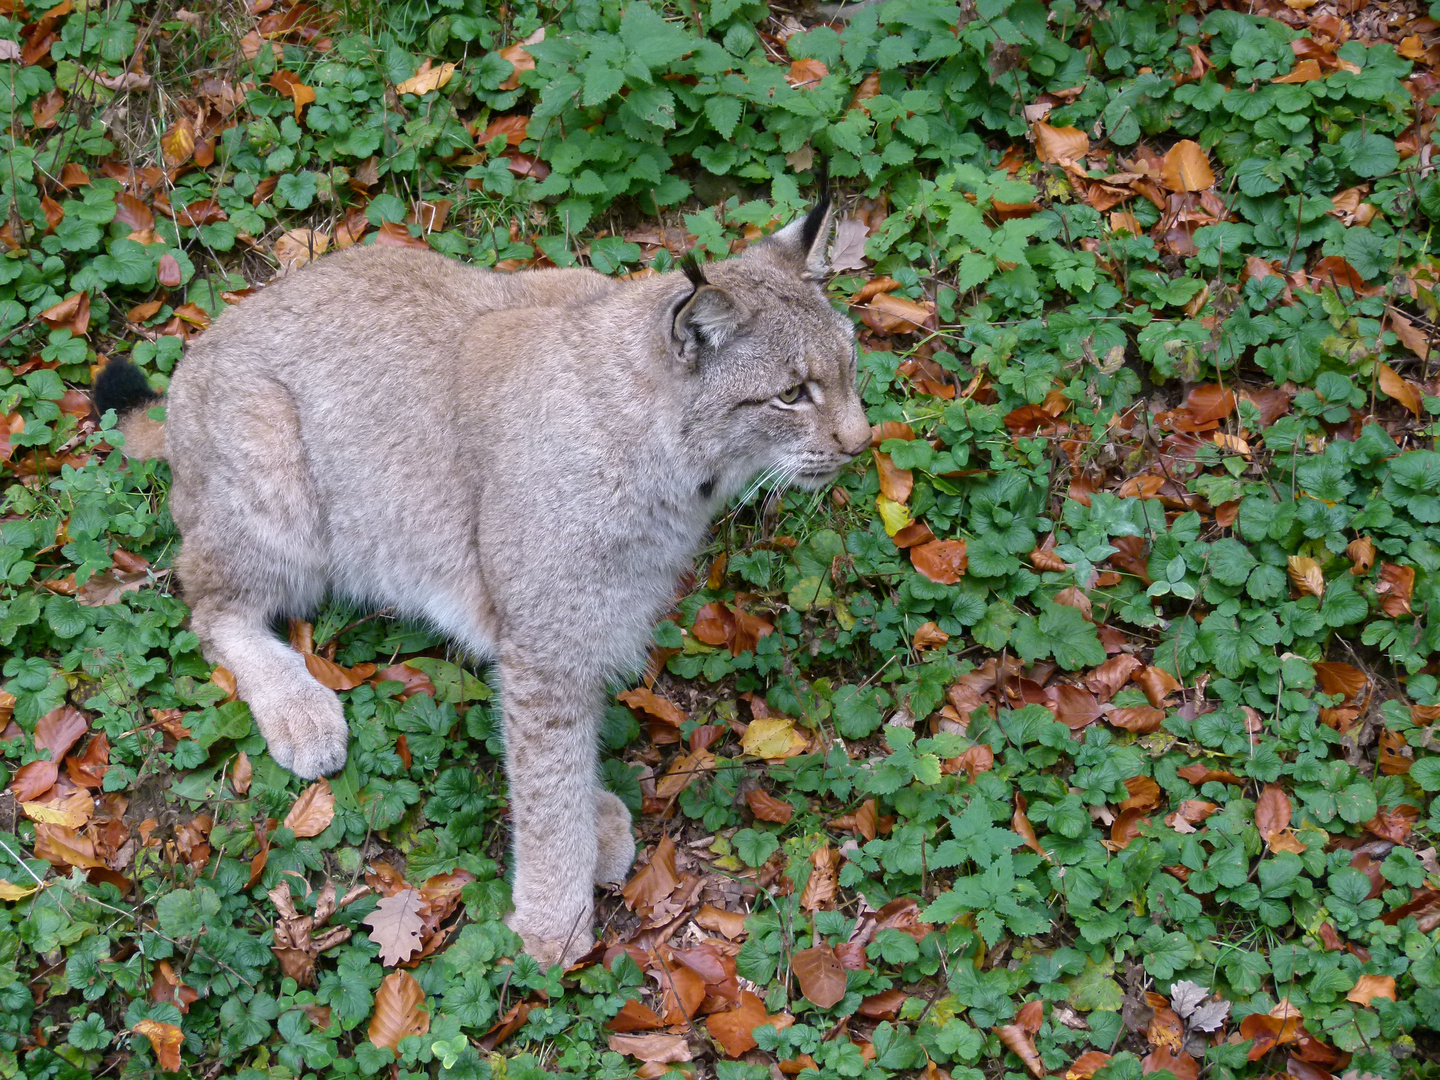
(525, 461)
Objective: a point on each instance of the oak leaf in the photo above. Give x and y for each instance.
(395, 926)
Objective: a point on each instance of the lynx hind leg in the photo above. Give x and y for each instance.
(616, 840)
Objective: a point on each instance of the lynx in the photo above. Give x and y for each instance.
(525, 461)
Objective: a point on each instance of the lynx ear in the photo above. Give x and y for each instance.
(803, 242)
(709, 318)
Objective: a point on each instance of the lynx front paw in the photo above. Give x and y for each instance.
(616, 843)
(305, 731)
(548, 945)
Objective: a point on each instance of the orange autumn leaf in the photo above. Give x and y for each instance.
(895, 483)
(1362, 554)
(768, 808)
(1141, 719)
(1021, 1043)
(1186, 167)
(1059, 144)
(165, 1040)
(806, 74)
(1401, 389)
(397, 1011)
(1371, 987)
(521, 62)
(1086, 1065)
(733, 1028)
(942, 561)
(1304, 71)
(1395, 587)
(312, 812)
(929, 636)
(1346, 680)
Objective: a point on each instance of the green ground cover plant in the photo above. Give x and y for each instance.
(1086, 729)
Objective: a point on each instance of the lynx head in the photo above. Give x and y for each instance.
(772, 363)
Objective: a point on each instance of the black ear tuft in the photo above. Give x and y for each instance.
(121, 386)
(813, 223)
(693, 270)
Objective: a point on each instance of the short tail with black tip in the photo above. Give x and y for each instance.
(122, 386)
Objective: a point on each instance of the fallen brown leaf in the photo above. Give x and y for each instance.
(397, 1011)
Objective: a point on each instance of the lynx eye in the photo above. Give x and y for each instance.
(792, 395)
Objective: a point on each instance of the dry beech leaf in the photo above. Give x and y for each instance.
(635, 1016)
(1107, 679)
(1306, 576)
(1141, 719)
(334, 677)
(1186, 168)
(1021, 1043)
(772, 737)
(806, 74)
(60, 729)
(1346, 680)
(942, 561)
(427, 79)
(847, 251)
(657, 1048)
(33, 780)
(767, 807)
(929, 636)
(732, 1028)
(895, 483)
(1144, 794)
(1181, 1064)
(1362, 553)
(654, 881)
(1371, 987)
(165, 1040)
(821, 887)
(1158, 685)
(1395, 586)
(1087, 1065)
(296, 247)
(821, 975)
(397, 1011)
(729, 923)
(313, 811)
(1059, 144)
(1401, 389)
(395, 926)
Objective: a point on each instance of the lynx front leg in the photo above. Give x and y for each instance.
(550, 749)
(303, 723)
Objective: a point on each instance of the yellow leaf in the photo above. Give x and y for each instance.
(772, 737)
(1186, 167)
(1232, 443)
(893, 515)
(427, 79)
(73, 812)
(10, 891)
(1305, 575)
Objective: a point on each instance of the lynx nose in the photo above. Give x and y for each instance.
(858, 448)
